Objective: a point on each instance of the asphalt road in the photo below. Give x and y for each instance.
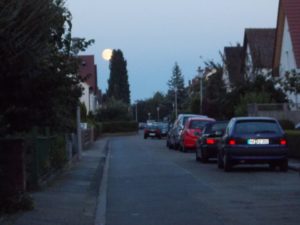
(148, 184)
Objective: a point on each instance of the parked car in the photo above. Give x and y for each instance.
(192, 131)
(164, 128)
(207, 144)
(253, 140)
(173, 137)
(142, 125)
(152, 130)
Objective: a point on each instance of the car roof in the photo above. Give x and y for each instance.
(201, 118)
(253, 118)
(192, 115)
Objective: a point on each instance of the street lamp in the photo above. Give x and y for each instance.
(157, 113)
(136, 111)
(200, 76)
(149, 115)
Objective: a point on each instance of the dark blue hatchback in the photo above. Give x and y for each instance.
(253, 140)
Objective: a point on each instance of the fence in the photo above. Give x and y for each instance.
(278, 111)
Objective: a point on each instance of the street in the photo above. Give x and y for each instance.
(150, 184)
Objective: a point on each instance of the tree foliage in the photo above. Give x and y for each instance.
(291, 82)
(214, 91)
(118, 85)
(39, 82)
(176, 84)
(114, 110)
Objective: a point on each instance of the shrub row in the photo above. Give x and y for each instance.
(293, 139)
(287, 124)
(117, 126)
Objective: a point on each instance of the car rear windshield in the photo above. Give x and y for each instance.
(213, 127)
(257, 127)
(198, 124)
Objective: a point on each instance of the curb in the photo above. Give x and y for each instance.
(100, 212)
(294, 168)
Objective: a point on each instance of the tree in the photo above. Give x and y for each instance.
(39, 81)
(251, 97)
(118, 86)
(215, 92)
(291, 83)
(114, 110)
(260, 90)
(176, 84)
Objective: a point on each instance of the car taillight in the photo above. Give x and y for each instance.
(210, 141)
(283, 141)
(231, 142)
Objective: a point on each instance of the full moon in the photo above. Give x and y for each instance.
(106, 54)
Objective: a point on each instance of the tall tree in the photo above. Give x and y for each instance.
(118, 85)
(176, 87)
(38, 72)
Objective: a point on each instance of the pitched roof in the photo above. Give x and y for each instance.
(233, 61)
(292, 11)
(261, 42)
(88, 71)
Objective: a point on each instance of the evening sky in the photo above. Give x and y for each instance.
(154, 34)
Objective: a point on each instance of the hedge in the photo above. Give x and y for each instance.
(293, 140)
(119, 126)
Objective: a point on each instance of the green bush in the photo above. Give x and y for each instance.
(287, 124)
(114, 110)
(119, 126)
(293, 139)
(58, 155)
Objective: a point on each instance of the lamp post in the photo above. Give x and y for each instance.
(157, 113)
(149, 115)
(200, 76)
(136, 111)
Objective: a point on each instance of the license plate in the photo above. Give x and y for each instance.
(258, 141)
(151, 134)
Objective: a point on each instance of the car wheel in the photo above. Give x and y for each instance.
(204, 157)
(284, 166)
(182, 148)
(197, 156)
(227, 163)
(220, 162)
(272, 166)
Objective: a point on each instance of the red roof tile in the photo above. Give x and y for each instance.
(88, 71)
(292, 11)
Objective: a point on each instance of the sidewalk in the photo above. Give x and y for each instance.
(72, 198)
(294, 164)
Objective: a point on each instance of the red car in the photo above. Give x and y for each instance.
(192, 131)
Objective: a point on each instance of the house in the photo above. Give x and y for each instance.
(258, 52)
(88, 72)
(232, 67)
(287, 41)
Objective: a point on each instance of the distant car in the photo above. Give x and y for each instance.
(142, 125)
(173, 137)
(192, 131)
(253, 140)
(164, 128)
(152, 130)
